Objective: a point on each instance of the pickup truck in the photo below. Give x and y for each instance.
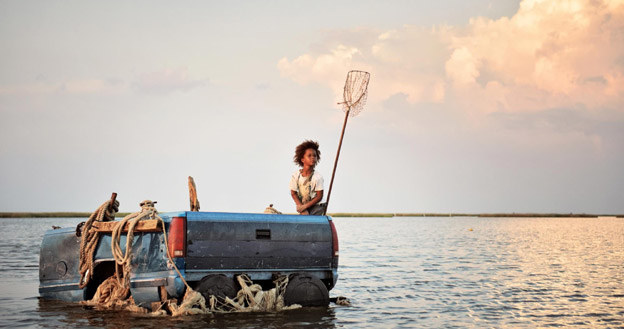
(210, 249)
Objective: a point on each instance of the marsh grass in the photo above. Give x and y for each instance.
(337, 214)
(52, 214)
(360, 214)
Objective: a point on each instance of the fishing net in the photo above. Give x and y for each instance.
(355, 92)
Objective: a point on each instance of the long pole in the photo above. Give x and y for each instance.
(331, 183)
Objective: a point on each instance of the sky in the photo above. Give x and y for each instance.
(473, 106)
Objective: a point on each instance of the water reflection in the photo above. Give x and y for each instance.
(397, 272)
(54, 314)
(466, 272)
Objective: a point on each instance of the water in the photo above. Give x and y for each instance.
(398, 272)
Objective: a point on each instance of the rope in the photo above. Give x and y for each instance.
(251, 298)
(114, 292)
(123, 259)
(112, 295)
(271, 210)
(90, 239)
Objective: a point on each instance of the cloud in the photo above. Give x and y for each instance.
(403, 61)
(156, 82)
(70, 86)
(167, 81)
(92, 86)
(462, 67)
(550, 54)
(325, 68)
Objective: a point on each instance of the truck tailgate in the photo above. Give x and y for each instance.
(235, 241)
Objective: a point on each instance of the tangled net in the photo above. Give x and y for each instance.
(250, 298)
(355, 92)
(114, 292)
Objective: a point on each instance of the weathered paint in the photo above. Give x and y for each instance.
(259, 245)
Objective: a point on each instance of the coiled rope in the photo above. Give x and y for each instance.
(114, 292)
(123, 259)
(90, 239)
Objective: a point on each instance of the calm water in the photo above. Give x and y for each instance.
(398, 272)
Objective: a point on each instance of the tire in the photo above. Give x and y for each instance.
(305, 290)
(217, 285)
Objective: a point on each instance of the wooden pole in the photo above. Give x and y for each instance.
(193, 194)
(112, 209)
(331, 183)
(111, 205)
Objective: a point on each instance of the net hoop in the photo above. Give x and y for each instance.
(355, 92)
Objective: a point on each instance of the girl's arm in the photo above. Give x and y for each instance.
(303, 207)
(295, 197)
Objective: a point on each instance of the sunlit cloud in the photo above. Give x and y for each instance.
(550, 54)
(324, 68)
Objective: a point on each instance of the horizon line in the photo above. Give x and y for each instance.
(77, 214)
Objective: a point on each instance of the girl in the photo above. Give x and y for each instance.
(306, 185)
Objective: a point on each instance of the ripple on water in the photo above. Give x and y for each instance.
(412, 272)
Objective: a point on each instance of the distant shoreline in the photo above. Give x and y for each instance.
(342, 214)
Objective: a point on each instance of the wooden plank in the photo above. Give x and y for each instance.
(148, 225)
(193, 194)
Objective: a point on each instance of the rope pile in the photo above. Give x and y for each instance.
(271, 210)
(90, 238)
(114, 292)
(251, 298)
(113, 295)
(123, 259)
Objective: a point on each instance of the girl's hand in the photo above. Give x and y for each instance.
(301, 208)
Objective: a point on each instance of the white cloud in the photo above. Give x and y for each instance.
(71, 86)
(550, 54)
(156, 82)
(167, 81)
(90, 86)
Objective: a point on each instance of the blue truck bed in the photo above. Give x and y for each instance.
(261, 246)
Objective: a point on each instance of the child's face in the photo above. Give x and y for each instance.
(309, 158)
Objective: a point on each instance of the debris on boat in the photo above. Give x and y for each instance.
(114, 292)
(271, 210)
(134, 264)
(342, 301)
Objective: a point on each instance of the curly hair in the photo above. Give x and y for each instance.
(301, 148)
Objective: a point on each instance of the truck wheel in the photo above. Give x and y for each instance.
(305, 290)
(217, 285)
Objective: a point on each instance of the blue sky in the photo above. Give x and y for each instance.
(479, 106)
